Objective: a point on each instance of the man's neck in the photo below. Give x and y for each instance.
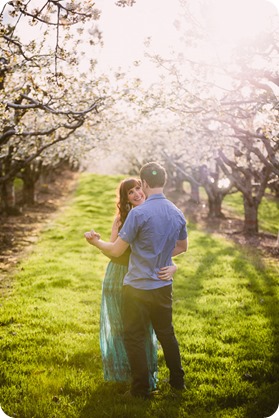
(156, 190)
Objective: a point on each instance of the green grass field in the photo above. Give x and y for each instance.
(226, 317)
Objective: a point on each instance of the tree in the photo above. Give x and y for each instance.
(43, 99)
(227, 102)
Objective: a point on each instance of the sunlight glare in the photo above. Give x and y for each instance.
(224, 183)
(235, 20)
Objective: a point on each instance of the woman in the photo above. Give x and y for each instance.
(115, 362)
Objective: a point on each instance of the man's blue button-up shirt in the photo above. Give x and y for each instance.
(152, 230)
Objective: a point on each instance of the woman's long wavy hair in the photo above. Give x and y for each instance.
(123, 206)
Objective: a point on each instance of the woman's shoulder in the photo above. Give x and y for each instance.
(117, 221)
(115, 228)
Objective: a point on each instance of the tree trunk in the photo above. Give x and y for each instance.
(8, 202)
(215, 206)
(251, 216)
(29, 176)
(195, 192)
(28, 191)
(176, 181)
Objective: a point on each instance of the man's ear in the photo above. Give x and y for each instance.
(145, 184)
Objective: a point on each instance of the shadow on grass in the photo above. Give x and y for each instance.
(230, 327)
(108, 400)
(263, 287)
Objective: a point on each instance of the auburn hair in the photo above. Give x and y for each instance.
(123, 205)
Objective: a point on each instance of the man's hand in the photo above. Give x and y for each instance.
(92, 237)
(166, 273)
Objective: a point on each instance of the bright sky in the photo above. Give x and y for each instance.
(125, 29)
(238, 19)
(2, 4)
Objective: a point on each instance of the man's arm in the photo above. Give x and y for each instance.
(110, 249)
(180, 247)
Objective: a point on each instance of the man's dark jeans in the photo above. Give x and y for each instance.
(139, 308)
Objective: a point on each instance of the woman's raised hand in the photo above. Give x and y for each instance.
(92, 236)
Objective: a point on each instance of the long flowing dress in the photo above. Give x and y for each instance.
(114, 356)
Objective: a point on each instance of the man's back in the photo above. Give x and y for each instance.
(152, 230)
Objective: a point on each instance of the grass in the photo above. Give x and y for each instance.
(225, 317)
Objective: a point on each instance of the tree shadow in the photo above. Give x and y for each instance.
(251, 274)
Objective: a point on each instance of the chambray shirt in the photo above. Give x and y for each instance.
(152, 230)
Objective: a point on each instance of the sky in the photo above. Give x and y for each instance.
(126, 29)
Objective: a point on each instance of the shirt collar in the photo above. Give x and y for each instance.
(156, 196)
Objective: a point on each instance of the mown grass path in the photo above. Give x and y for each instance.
(225, 314)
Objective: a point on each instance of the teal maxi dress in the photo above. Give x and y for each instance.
(114, 357)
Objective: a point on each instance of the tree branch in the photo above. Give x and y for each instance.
(37, 105)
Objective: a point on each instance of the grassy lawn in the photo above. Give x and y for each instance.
(226, 316)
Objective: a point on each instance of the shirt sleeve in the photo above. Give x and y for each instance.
(129, 230)
(183, 232)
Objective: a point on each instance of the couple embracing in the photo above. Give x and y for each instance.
(149, 235)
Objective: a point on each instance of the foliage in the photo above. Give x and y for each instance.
(225, 316)
(46, 97)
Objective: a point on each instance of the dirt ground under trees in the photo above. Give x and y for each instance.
(19, 233)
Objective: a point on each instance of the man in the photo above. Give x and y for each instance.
(156, 231)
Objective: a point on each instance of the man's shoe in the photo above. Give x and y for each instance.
(177, 391)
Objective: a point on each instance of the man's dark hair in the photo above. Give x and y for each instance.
(154, 174)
